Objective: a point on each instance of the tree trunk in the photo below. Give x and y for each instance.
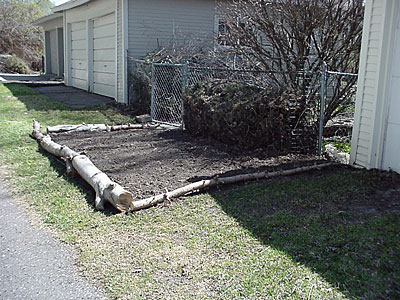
(91, 127)
(105, 188)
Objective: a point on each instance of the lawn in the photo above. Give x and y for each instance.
(331, 234)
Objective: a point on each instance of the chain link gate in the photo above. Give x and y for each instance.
(168, 84)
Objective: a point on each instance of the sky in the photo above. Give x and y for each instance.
(58, 2)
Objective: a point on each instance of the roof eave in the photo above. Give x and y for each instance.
(69, 5)
(47, 18)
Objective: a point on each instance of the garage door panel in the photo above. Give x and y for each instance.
(78, 64)
(79, 74)
(104, 66)
(105, 78)
(108, 30)
(78, 50)
(53, 52)
(78, 45)
(104, 43)
(79, 83)
(104, 55)
(78, 54)
(109, 19)
(78, 26)
(103, 89)
(79, 35)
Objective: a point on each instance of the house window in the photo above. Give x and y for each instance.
(221, 30)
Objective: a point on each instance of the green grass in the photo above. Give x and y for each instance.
(340, 146)
(301, 237)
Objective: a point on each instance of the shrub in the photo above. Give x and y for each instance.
(141, 94)
(17, 65)
(248, 117)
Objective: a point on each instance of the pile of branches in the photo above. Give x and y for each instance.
(250, 117)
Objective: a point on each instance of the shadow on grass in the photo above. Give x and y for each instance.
(59, 166)
(330, 222)
(33, 100)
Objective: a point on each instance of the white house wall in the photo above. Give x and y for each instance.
(160, 23)
(369, 105)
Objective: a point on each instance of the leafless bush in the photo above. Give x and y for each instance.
(297, 36)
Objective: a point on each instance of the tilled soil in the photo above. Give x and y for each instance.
(148, 161)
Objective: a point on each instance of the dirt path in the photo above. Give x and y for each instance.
(33, 265)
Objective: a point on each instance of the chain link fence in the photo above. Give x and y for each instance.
(159, 87)
(338, 95)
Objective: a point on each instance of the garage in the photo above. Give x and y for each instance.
(94, 59)
(104, 55)
(78, 55)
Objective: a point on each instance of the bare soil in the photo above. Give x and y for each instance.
(148, 161)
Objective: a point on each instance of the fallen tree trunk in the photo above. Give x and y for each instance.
(105, 188)
(148, 202)
(91, 127)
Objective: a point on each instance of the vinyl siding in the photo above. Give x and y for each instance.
(120, 57)
(368, 83)
(158, 23)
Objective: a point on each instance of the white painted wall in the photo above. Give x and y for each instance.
(370, 87)
(391, 147)
(159, 23)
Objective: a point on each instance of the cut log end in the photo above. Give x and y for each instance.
(124, 202)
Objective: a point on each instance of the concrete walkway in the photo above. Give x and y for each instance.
(30, 78)
(33, 265)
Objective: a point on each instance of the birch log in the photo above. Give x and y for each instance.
(148, 202)
(105, 188)
(91, 127)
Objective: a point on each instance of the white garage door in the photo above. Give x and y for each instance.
(104, 56)
(78, 55)
(53, 52)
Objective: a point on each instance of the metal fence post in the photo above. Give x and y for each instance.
(185, 84)
(322, 110)
(152, 101)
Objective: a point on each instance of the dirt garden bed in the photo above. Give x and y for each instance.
(146, 161)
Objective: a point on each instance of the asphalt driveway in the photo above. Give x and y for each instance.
(34, 265)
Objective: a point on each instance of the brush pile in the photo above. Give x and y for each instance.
(249, 117)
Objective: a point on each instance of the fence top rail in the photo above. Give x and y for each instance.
(138, 60)
(244, 70)
(341, 73)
